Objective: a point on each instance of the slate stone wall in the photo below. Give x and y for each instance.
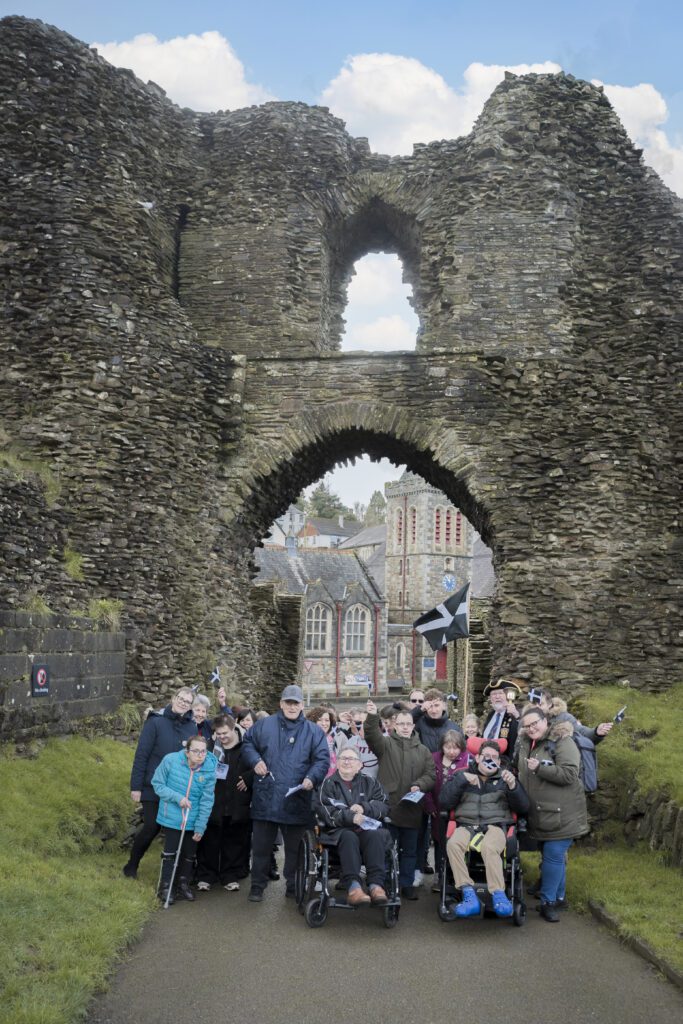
(173, 285)
(86, 668)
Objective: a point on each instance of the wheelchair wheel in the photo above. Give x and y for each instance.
(518, 914)
(447, 912)
(306, 871)
(315, 913)
(390, 915)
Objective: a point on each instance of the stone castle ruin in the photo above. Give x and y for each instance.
(173, 289)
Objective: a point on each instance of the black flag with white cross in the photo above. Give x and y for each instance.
(447, 621)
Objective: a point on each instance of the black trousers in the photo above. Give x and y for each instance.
(146, 833)
(262, 839)
(369, 848)
(223, 854)
(187, 854)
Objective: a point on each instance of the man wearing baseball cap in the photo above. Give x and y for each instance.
(289, 756)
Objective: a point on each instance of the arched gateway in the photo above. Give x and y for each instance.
(173, 291)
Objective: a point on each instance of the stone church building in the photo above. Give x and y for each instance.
(378, 582)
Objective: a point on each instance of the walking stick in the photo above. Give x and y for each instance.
(186, 812)
(177, 858)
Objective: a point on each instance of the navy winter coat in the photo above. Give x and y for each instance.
(164, 732)
(293, 751)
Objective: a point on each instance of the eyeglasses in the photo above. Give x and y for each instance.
(413, 700)
(533, 724)
(187, 701)
(348, 760)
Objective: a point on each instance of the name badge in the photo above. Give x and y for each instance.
(221, 770)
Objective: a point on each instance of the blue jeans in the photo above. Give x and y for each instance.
(407, 853)
(554, 869)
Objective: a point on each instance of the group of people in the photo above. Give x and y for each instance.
(227, 791)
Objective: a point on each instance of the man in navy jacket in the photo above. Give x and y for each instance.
(286, 751)
(164, 732)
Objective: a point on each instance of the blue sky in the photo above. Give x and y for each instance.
(397, 72)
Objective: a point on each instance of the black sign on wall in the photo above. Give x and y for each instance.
(40, 680)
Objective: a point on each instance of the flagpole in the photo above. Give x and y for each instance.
(466, 688)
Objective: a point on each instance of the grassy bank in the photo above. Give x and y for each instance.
(66, 911)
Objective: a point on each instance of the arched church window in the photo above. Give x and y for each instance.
(318, 621)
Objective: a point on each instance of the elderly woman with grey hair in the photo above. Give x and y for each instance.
(200, 712)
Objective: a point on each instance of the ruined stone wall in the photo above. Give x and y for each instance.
(85, 665)
(141, 459)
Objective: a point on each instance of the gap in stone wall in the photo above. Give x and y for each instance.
(379, 316)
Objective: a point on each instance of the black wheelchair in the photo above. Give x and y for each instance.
(512, 873)
(317, 864)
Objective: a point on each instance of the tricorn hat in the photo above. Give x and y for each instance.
(504, 683)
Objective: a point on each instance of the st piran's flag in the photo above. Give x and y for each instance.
(447, 621)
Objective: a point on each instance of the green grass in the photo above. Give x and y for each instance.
(73, 564)
(66, 911)
(106, 613)
(645, 752)
(24, 466)
(633, 885)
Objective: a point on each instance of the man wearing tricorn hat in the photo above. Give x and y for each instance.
(501, 723)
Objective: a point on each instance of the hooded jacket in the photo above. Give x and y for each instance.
(164, 732)
(293, 750)
(557, 800)
(402, 763)
(431, 730)
(364, 791)
(490, 803)
(171, 781)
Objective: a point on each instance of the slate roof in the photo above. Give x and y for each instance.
(332, 528)
(296, 572)
(368, 535)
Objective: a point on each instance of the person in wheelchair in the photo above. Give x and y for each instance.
(348, 805)
(484, 802)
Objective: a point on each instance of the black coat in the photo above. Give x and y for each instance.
(431, 730)
(229, 801)
(365, 791)
(509, 729)
(164, 732)
(490, 803)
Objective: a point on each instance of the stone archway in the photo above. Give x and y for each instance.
(144, 439)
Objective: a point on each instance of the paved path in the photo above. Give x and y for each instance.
(222, 960)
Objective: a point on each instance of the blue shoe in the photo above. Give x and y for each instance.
(501, 904)
(469, 905)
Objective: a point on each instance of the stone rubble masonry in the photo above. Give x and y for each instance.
(86, 672)
(173, 285)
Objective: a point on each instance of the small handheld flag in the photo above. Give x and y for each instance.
(447, 621)
(621, 714)
(535, 696)
(216, 677)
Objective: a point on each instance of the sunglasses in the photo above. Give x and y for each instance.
(414, 701)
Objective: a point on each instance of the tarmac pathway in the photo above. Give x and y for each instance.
(222, 960)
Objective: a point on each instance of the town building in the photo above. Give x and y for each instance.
(343, 626)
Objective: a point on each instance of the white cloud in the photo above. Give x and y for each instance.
(397, 101)
(360, 480)
(197, 71)
(385, 334)
(377, 279)
(642, 109)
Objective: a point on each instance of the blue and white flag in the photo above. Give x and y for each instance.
(447, 621)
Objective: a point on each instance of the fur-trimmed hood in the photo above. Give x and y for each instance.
(558, 728)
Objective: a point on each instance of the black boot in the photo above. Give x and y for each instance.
(183, 883)
(549, 913)
(165, 877)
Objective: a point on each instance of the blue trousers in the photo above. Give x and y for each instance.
(407, 853)
(554, 869)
